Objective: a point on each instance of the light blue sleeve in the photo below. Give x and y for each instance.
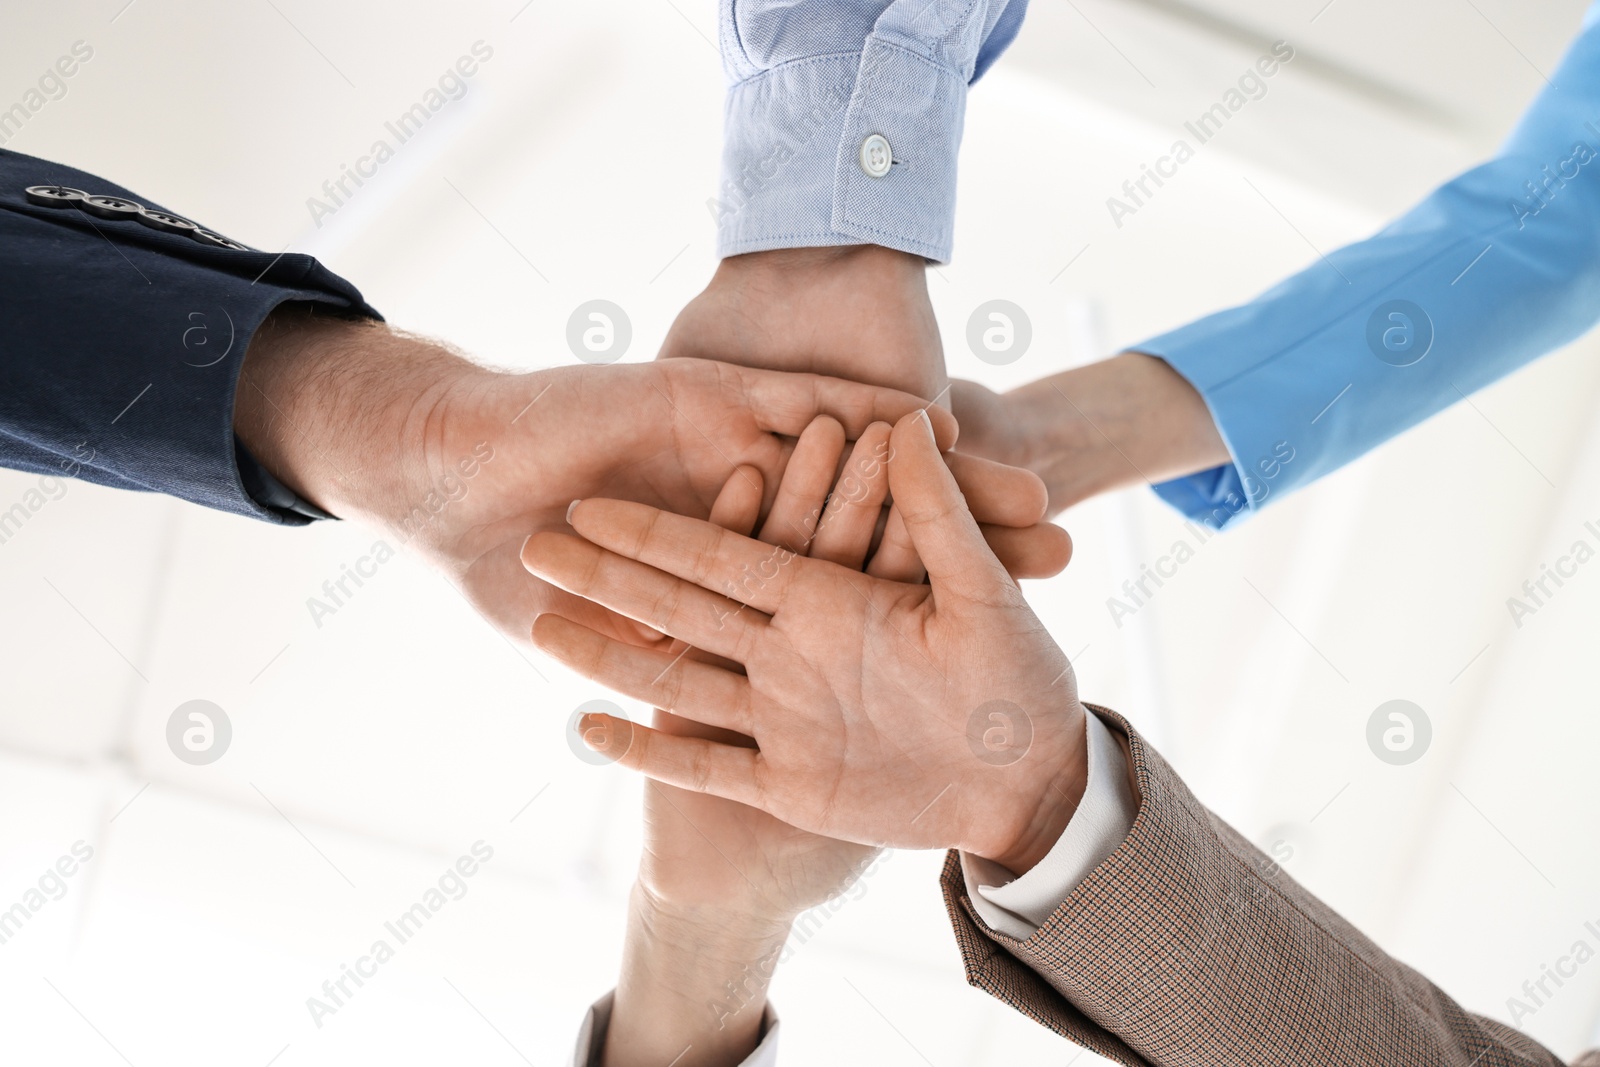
(1494, 269)
(844, 118)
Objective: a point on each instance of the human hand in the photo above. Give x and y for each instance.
(1119, 422)
(720, 882)
(885, 713)
(702, 849)
(463, 463)
(859, 312)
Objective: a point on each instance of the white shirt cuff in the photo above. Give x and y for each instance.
(591, 1037)
(1017, 907)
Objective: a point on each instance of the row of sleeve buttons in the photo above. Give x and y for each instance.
(121, 208)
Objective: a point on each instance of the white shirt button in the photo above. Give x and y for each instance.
(876, 156)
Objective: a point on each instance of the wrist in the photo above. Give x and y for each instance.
(342, 411)
(727, 929)
(1118, 422)
(693, 985)
(1044, 794)
(803, 266)
(859, 312)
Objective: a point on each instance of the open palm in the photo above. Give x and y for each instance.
(884, 713)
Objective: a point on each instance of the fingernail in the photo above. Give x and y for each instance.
(927, 424)
(570, 509)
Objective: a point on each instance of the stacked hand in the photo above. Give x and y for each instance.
(372, 424)
(938, 715)
(721, 881)
(465, 463)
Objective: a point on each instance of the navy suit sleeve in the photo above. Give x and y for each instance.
(121, 342)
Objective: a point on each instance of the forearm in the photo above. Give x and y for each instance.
(693, 988)
(1119, 422)
(335, 407)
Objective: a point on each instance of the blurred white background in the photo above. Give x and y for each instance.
(370, 752)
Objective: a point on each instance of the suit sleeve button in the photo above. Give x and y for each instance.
(55, 195)
(112, 207)
(161, 220)
(216, 240)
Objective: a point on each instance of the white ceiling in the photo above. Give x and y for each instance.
(372, 750)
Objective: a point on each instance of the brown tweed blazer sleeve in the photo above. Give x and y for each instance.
(1189, 946)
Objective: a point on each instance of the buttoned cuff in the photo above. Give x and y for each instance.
(1250, 407)
(592, 1036)
(795, 172)
(1017, 907)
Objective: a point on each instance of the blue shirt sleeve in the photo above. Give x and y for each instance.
(1492, 270)
(844, 119)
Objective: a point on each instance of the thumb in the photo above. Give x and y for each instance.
(942, 530)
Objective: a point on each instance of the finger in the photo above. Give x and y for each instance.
(677, 608)
(844, 535)
(738, 567)
(727, 771)
(806, 480)
(940, 527)
(998, 493)
(896, 559)
(738, 506)
(1039, 551)
(786, 403)
(672, 681)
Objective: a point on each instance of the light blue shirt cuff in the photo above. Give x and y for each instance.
(792, 169)
(1494, 269)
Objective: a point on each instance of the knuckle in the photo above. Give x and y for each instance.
(665, 609)
(671, 688)
(700, 769)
